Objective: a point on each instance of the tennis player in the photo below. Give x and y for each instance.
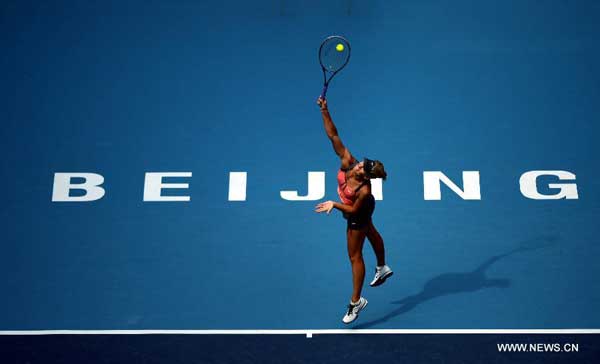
(358, 204)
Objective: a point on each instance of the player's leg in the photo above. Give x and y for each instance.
(356, 240)
(365, 217)
(376, 243)
(382, 272)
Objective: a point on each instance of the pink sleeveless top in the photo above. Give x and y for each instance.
(347, 194)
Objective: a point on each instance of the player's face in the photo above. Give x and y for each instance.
(359, 169)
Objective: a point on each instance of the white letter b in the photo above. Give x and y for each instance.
(91, 185)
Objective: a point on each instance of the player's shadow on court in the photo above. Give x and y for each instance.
(454, 283)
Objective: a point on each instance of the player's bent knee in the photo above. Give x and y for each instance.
(356, 258)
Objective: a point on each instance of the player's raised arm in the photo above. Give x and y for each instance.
(332, 133)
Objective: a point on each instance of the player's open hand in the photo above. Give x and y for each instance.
(326, 206)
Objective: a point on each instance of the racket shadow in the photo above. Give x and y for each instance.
(460, 282)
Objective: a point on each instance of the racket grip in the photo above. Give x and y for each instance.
(324, 92)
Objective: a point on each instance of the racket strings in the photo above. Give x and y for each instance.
(332, 59)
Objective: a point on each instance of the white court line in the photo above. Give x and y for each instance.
(308, 333)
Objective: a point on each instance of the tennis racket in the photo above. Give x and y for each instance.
(334, 54)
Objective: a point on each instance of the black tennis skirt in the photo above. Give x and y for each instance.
(362, 218)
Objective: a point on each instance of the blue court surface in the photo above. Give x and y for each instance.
(498, 100)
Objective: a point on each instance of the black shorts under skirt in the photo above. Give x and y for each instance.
(362, 218)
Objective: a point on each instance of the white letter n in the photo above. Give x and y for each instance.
(432, 188)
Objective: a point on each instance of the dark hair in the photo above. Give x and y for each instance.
(379, 171)
(374, 169)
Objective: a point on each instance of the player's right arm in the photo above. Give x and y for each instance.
(332, 134)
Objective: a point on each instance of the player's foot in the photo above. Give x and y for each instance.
(381, 274)
(354, 309)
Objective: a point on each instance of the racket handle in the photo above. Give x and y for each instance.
(324, 92)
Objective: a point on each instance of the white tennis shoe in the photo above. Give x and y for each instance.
(381, 274)
(353, 310)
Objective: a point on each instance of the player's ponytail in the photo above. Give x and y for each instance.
(378, 171)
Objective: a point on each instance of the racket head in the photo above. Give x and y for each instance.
(334, 53)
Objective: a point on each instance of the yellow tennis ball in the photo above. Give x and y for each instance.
(339, 47)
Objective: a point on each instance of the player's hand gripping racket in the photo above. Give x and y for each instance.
(334, 55)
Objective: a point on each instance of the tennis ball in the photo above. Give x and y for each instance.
(339, 47)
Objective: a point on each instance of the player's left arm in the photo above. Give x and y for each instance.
(327, 206)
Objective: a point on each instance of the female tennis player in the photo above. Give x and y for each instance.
(358, 204)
